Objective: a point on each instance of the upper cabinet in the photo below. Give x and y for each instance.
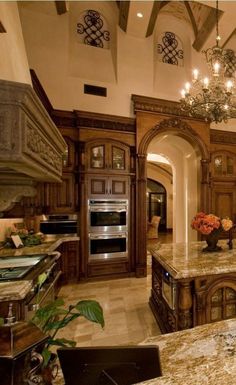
(223, 164)
(107, 156)
(68, 160)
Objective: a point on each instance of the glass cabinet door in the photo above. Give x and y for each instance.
(218, 165)
(97, 157)
(118, 158)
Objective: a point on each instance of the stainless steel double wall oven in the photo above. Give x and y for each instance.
(108, 223)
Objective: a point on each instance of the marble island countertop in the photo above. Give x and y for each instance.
(186, 260)
(202, 355)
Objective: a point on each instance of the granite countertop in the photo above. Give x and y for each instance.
(14, 291)
(186, 260)
(203, 355)
(48, 246)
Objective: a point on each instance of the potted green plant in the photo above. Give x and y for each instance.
(55, 316)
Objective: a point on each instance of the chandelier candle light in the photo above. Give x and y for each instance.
(213, 98)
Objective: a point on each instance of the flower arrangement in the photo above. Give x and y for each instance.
(207, 223)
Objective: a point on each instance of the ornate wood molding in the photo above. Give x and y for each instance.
(105, 122)
(161, 106)
(64, 119)
(220, 136)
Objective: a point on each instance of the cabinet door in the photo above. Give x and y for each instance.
(96, 157)
(119, 158)
(97, 186)
(223, 164)
(106, 156)
(69, 261)
(68, 160)
(61, 196)
(223, 201)
(108, 187)
(118, 187)
(221, 301)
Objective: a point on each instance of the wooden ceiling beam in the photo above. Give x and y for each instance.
(124, 14)
(2, 29)
(61, 7)
(157, 6)
(206, 29)
(192, 19)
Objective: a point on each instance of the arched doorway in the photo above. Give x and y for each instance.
(187, 153)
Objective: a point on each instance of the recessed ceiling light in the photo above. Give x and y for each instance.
(139, 14)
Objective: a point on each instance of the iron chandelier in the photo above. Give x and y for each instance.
(213, 98)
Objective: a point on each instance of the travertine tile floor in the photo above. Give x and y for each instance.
(128, 318)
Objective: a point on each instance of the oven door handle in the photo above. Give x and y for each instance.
(107, 209)
(106, 236)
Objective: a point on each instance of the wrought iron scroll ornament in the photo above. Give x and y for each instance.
(169, 49)
(92, 29)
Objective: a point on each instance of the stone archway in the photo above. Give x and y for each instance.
(179, 128)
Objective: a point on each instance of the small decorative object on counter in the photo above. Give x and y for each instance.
(211, 226)
(20, 237)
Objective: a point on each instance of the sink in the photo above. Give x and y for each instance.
(120, 365)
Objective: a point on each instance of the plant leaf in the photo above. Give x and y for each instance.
(59, 324)
(1, 321)
(91, 310)
(46, 354)
(62, 342)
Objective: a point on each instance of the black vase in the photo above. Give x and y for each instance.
(211, 240)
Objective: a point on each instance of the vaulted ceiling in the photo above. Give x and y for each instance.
(201, 15)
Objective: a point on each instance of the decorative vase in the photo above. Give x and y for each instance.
(211, 240)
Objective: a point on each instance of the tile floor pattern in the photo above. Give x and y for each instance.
(128, 318)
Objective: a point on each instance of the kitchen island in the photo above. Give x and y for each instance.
(191, 288)
(203, 355)
(20, 268)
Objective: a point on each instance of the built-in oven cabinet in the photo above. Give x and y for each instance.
(108, 187)
(104, 156)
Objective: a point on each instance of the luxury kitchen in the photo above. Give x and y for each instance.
(117, 195)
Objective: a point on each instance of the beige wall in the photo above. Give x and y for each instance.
(13, 63)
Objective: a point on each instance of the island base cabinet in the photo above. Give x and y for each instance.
(198, 300)
(69, 262)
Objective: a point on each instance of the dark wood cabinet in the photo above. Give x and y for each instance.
(61, 197)
(198, 300)
(223, 164)
(108, 187)
(69, 262)
(107, 156)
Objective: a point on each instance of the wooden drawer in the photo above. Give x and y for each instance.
(107, 269)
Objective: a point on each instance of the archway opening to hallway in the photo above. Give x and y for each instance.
(182, 184)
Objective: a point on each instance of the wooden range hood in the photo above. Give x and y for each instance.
(31, 147)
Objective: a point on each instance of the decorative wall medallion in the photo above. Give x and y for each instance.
(92, 29)
(168, 51)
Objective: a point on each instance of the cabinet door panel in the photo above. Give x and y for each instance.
(118, 187)
(223, 202)
(62, 195)
(97, 186)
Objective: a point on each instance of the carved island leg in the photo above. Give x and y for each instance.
(185, 306)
